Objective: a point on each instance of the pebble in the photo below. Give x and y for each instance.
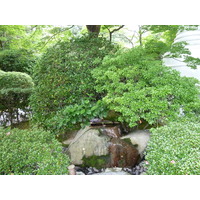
(137, 170)
(137, 173)
(80, 173)
(137, 167)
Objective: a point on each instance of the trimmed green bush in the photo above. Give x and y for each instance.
(20, 60)
(26, 152)
(15, 80)
(174, 149)
(64, 96)
(15, 90)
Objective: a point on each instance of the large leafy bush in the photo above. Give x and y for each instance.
(64, 96)
(28, 152)
(15, 89)
(174, 149)
(137, 86)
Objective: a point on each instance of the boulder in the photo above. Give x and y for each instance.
(88, 142)
(67, 138)
(140, 139)
(123, 154)
(113, 131)
(101, 147)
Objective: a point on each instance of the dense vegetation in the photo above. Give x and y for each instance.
(174, 149)
(31, 152)
(68, 75)
(19, 60)
(64, 96)
(137, 86)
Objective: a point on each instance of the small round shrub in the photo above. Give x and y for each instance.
(174, 149)
(15, 80)
(19, 60)
(31, 152)
(15, 90)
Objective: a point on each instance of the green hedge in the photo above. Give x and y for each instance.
(20, 60)
(15, 89)
(174, 149)
(26, 152)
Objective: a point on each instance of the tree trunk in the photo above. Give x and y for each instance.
(93, 30)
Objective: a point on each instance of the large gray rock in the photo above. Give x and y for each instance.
(88, 142)
(140, 139)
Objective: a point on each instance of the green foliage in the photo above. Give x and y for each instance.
(19, 60)
(15, 89)
(168, 32)
(137, 86)
(11, 35)
(156, 48)
(64, 89)
(174, 149)
(75, 116)
(26, 152)
(161, 40)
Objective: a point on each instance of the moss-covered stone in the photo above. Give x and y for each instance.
(96, 161)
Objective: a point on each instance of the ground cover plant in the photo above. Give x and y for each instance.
(31, 152)
(174, 149)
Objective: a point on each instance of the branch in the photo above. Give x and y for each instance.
(55, 35)
(110, 34)
(117, 29)
(114, 30)
(129, 40)
(36, 26)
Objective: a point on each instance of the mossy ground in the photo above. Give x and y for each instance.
(22, 125)
(96, 161)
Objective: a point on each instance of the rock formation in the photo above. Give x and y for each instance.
(102, 147)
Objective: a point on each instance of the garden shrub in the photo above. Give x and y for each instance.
(174, 149)
(64, 96)
(26, 152)
(15, 90)
(20, 60)
(137, 86)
